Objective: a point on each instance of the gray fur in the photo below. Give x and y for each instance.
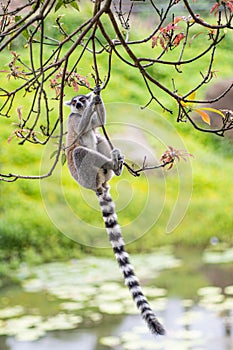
(90, 159)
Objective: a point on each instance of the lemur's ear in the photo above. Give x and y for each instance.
(90, 95)
(67, 103)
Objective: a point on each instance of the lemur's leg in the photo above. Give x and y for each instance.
(85, 156)
(103, 146)
(118, 160)
(115, 154)
(92, 167)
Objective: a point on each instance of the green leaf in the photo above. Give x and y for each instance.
(53, 154)
(64, 3)
(63, 158)
(26, 34)
(25, 31)
(189, 97)
(59, 4)
(18, 18)
(192, 95)
(74, 5)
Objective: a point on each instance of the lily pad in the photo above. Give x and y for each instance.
(3, 329)
(71, 306)
(16, 326)
(95, 316)
(225, 256)
(33, 285)
(228, 290)
(110, 341)
(206, 291)
(113, 308)
(30, 334)
(61, 322)
(154, 292)
(110, 287)
(227, 304)
(127, 337)
(212, 299)
(111, 297)
(11, 311)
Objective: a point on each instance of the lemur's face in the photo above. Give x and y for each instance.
(79, 103)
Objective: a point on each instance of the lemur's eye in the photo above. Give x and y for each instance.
(73, 103)
(82, 99)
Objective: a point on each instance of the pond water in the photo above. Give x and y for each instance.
(83, 304)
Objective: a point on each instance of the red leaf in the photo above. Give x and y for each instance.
(154, 41)
(75, 86)
(163, 30)
(162, 42)
(170, 26)
(178, 39)
(214, 8)
(230, 6)
(178, 19)
(19, 112)
(11, 136)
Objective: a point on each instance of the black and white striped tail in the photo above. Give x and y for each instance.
(116, 240)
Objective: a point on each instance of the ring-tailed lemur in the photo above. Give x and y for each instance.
(92, 163)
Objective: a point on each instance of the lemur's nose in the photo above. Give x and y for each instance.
(79, 105)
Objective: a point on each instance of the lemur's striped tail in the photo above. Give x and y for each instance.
(116, 240)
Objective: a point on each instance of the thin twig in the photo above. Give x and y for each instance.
(138, 172)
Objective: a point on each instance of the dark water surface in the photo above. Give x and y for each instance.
(84, 304)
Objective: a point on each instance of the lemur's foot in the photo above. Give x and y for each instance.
(118, 160)
(103, 189)
(106, 187)
(99, 191)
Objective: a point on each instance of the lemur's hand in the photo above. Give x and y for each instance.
(97, 89)
(97, 97)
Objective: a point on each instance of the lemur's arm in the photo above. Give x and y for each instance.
(94, 116)
(85, 123)
(99, 118)
(82, 123)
